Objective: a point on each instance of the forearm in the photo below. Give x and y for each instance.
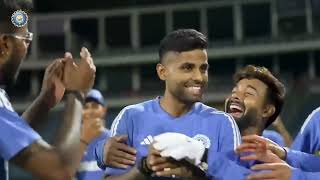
(281, 129)
(222, 167)
(298, 174)
(131, 175)
(67, 139)
(36, 112)
(304, 161)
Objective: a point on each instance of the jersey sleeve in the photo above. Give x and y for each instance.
(15, 134)
(122, 125)
(298, 174)
(303, 161)
(308, 139)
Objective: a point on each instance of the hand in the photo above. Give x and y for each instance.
(118, 154)
(168, 167)
(181, 170)
(179, 146)
(261, 149)
(157, 163)
(81, 76)
(52, 89)
(91, 128)
(275, 171)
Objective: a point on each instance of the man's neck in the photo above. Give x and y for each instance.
(252, 131)
(173, 106)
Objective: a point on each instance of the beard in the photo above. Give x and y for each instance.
(181, 93)
(249, 119)
(10, 71)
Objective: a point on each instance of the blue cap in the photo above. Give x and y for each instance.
(95, 96)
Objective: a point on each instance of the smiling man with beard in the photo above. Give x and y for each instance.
(256, 100)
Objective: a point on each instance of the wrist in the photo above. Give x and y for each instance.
(80, 96)
(143, 167)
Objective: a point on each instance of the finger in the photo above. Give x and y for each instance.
(154, 151)
(122, 161)
(125, 155)
(245, 146)
(261, 176)
(85, 55)
(266, 166)
(117, 165)
(56, 69)
(121, 138)
(161, 167)
(253, 138)
(156, 160)
(51, 68)
(125, 148)
(59, 70)
(68, 55)
(85, 52)
(168, 173)
(249, 157)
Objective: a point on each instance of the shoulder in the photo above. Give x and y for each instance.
(312, 120)
(138, 108)
(212, 113)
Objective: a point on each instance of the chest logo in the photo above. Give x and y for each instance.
(204, 139)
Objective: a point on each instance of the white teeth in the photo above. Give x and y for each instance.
(232, 106)
(196, 88)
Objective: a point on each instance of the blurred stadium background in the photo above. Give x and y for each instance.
(123, 35)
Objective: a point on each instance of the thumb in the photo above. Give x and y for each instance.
(121, 138)
(84, 53)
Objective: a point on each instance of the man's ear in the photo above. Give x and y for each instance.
(5, 46)
(268, 111)
(161, 71)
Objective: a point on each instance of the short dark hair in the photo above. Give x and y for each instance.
(182, 40)
(276, 89)
(8, 7)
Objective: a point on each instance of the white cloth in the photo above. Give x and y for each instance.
(179, 146)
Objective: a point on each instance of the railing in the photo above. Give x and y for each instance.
(60, 23)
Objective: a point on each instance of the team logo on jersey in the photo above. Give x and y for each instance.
(19, 18)
(204, 139)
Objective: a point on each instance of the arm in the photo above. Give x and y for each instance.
(65, 157)
(307, 139)
(304, 161)
(281, 171)
(51, 93)
(282, 130)
(122, 125)
(298, 174)
(28, 150)
(67, 140)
